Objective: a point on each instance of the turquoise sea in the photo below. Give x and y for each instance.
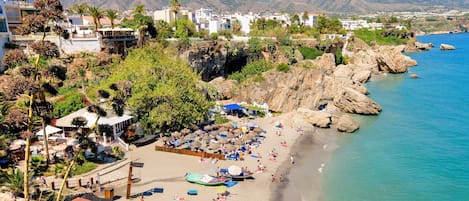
(418, 147)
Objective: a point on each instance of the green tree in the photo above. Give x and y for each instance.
(184, 29)
(175, 6)
(96, 13)
(112, 15)
(139, 9)
(295, 19)
(79, 9)
(47, 12)
(165, 93)
(236, 27)
(163, 30)
(305, 16)
(13, 180)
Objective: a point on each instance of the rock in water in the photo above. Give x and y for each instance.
(347, 124)
(321, 119)
(447, 47)
(414, 76)
(351, 101)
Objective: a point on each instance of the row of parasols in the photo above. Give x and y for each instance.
(212, 138)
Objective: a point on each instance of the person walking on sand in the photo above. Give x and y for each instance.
(292, 159)
(142, 198)
(280, 179)
(273, 178)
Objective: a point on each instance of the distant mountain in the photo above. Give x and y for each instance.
(348, 6)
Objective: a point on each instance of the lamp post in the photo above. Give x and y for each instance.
(129, 178)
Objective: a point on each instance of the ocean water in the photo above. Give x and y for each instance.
(418, 147)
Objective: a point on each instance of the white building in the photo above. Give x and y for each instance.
(203, 15)
(354, 24)
(311, 21)
(164, 14)
(245, 21)
(213, 26)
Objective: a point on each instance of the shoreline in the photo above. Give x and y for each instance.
(304, 179)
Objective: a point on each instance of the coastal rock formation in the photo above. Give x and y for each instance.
(225, 88)
(447, 47)
(321, 119)
(414, 76)
(418, 47)
(351, 101)
(213, 59)
(347, 124)
(384, 59)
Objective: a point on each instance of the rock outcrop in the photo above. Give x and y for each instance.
(347, 124)
(321, 119)
(351, 101)
(447, 47)
(225, 88)
(418, 47)
(384, 59)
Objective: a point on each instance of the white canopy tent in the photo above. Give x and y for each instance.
(49, 131)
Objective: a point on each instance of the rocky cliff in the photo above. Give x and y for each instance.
(216, 58)
(321, 85)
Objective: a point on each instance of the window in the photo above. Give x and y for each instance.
(3, 25)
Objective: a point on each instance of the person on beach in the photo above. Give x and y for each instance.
(292, 159)
(273, 178)
(280, 179)
(142, 198)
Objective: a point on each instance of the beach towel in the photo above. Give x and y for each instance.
(254, 156)
(230, 184)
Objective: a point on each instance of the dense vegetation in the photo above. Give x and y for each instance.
(164, 92)
(379, 37)
(252, 70)
(310, 53)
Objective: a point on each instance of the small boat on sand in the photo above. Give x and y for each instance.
(205, 180)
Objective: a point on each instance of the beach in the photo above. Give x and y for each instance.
(167, 170)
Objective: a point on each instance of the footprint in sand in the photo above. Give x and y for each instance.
(325, 146)
(320, 169)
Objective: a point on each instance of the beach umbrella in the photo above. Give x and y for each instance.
(222, 128)
(237, 131)
(230, 147)
(196, 144)
(234, 170)
(238, 142)
(258, 130)
(188, 138)
(214, 133)
(231, 135)
(199, 132)
(222, 140)
(60, 147)
(214, 146)
(221, 189)
(206, 138)
(215, 127)
(185, 131)
(176, 134)
(208, 128)
(19, 142)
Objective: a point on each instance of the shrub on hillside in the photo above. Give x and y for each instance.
(283, 67)
(310, 53)
(250, 70)
(71, 102)
(13, 58)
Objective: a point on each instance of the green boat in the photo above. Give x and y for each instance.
(205, 180)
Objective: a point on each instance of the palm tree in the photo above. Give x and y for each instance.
(13, 180)
(97, 14)
(236, 27)
(305, 17)
(80, 9)
(175, 6)
(112, 15)
(139, 9)
(83, 141)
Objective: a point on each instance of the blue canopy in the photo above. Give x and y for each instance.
(233, 106)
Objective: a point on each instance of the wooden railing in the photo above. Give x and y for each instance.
(191, 153)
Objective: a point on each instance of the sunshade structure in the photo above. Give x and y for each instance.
(233, 107)
(49, 131)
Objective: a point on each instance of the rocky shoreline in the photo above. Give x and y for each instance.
(321, 91)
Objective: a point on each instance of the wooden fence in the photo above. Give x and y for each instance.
(191, 153)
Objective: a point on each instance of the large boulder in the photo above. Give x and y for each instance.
(447, 47)
(347, 124)
(321, 119)
(390, 59)
(418, 47)
(225, 88)
(351, 101)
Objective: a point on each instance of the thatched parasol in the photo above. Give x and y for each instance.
(258, 130)
(196, 144)
(222, 128)
(208, 128)
(176, 134)
(188, 137)
(206, 138)
(239, 142)
(230, 147)
(237, 131)
(230, 135)
(214, 146)
(215, 127)
(214, 133)
(222, 140)
(199, 132)
(185, 131)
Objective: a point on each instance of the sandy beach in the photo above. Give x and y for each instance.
(167, 170)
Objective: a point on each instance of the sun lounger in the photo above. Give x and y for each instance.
(158, 190)
(192, 192)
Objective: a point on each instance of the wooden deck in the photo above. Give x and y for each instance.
(191, 153)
